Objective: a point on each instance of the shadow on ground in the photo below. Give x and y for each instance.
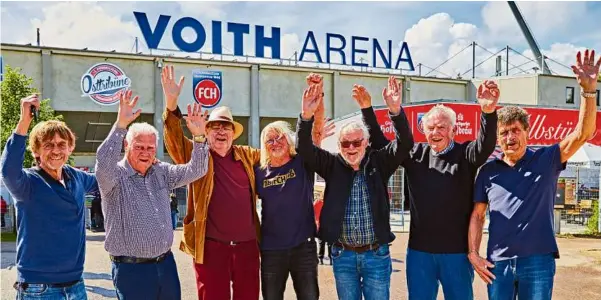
(95, 238)
(101, 291)
(95, 276)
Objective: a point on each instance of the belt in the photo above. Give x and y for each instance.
(231, 243)
(138, 260)
(358, 249)
(24, 285)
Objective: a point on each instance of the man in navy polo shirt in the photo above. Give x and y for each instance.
(50, 203)
(520, 188)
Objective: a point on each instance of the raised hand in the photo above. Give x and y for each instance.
(393, 95)
(196, 119)
(311, 100)
(26, 104)
(316, 79)
(361, 96)
(126, 113)
(171, 90)
(587, 71)
(481, 266)
(488, 96)
(326, 130)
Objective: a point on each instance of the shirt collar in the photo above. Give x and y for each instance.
(446, 150)
(527, 156)
(43, 173)
(130, 170)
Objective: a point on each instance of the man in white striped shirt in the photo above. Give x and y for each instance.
(136, 203)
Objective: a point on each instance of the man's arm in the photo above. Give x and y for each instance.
(178, 146)
(393, 155)
(90, 183)
(107, 157)
(478, 151)
(377, 138)
(476, 226)
(181, 175)
(316, 159)
(480, 264)
(13, 175)
(586, 74)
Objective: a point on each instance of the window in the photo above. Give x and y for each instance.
(570, 95)
(598, 97)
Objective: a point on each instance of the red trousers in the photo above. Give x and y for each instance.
(226, 264)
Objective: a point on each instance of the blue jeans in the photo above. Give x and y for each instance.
(147, 280)
(425, 270)
(366, 274)
(42, 291)
(525, 278)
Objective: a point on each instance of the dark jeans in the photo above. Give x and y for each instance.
(322, 249)
(147, 280)
(300, 262)
(527, 278)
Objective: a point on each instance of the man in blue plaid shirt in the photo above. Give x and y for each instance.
(355, 217)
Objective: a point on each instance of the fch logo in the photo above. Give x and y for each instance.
(103, 83)
(206, 87)
(419, 122)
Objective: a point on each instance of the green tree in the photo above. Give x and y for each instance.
(16, 86)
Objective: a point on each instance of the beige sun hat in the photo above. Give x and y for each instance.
(224, 114)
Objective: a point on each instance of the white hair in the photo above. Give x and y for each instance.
(440, 109)
(140, 128)
(278, 127)
(352, 126)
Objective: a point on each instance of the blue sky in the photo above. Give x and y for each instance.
(434, 30)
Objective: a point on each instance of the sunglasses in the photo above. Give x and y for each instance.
(356, 143)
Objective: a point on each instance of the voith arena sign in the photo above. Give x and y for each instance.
(338, 48)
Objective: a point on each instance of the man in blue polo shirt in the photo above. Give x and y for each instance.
(50, 203)
(520, 188)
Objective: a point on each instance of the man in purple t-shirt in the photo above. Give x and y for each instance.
(520, 188)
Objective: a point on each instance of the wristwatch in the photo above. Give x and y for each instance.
(199, 138)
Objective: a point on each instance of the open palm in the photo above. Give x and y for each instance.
(392, 95)
(126, 113)
(171, 90)
(311, 100)
(196, 120)
(587, 72)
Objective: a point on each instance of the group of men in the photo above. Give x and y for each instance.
(450, 187)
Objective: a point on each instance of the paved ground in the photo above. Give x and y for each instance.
(578, 272)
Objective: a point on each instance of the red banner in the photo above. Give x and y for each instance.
(547, 125)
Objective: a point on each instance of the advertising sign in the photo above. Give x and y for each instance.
(547, 125)
(103, 83)
(354, 50)
(207, 87)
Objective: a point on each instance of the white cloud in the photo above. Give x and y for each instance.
(543, 19)
(83, 24)
(209, 10)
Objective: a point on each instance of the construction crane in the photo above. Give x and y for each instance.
(529, 37)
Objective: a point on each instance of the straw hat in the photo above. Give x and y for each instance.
(224, 114)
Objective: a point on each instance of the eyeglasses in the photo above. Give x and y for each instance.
(356, 143)
(279, 139)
